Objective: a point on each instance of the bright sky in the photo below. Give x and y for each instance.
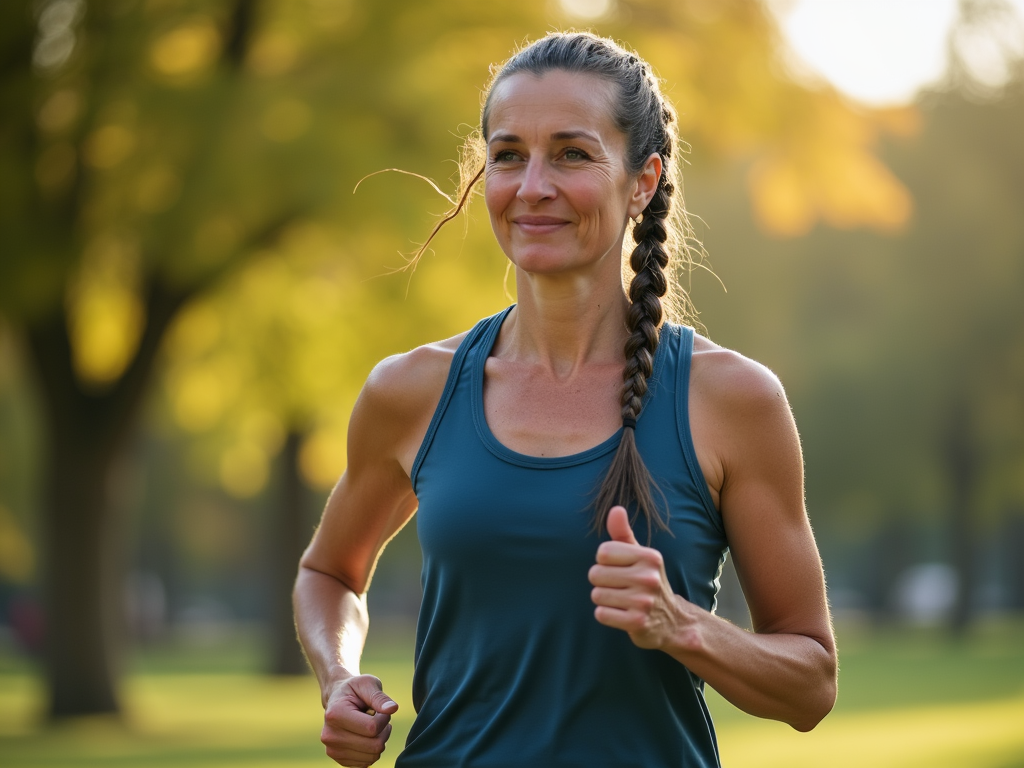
(877, 51)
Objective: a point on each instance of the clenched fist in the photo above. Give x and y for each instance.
(631, 590)
(357, 715)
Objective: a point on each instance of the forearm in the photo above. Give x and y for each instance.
(787, 677)
(332, 623)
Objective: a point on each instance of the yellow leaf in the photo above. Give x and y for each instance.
(323, 456)
(782, 203)
(187, 50)
(201, 394)
(108, 146)
(104, 310)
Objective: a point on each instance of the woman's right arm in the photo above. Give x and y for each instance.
(369, 505)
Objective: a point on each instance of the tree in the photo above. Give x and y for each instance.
(67, 151)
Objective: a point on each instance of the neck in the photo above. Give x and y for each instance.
(565, 321)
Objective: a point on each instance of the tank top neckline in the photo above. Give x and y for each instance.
(477, 361)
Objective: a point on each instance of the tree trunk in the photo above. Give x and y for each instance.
(290, 532)
(86, 433)
(891, 554)
(86, 430)
(962, 470)
(1013, 558)
(83, 613)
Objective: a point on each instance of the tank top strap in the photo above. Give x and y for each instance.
(484, 330)
(684, 339)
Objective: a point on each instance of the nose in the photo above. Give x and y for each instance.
(536, 184)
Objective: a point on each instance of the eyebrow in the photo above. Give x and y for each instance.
(511, 138)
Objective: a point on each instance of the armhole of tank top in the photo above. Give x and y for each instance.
(683, 423)
(449, 387)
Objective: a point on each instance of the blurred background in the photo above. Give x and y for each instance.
(191, 296)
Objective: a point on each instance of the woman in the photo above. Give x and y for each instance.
(549, 635)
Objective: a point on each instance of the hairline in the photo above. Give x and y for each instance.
(538, 74)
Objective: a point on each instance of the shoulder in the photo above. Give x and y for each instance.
(731, 381)
(400, 382)
(741, 421)
(394, 408)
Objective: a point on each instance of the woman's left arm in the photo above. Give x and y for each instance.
(750, 452)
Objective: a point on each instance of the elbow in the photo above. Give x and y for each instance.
(812, 719)
(818, 705)
(311, 571)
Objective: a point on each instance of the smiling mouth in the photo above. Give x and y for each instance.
(539, 225)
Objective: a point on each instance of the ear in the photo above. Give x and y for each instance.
(646, 185)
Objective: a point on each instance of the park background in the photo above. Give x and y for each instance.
(191, 296)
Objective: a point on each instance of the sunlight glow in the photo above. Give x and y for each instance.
(589, 10)
(879, 52)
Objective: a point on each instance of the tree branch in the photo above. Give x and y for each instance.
(239, 33)
(120, 404)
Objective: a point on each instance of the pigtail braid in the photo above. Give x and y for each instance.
(628, 479)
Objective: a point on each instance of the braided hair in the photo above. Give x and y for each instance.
(662, 235)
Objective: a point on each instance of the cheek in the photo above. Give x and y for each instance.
(497, 195)
(599, 214)
(496, 198)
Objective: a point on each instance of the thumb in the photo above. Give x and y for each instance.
(618, 526)
(369, 689)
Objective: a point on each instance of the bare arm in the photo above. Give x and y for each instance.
(369, 505)
(335, 571)
(786, 668)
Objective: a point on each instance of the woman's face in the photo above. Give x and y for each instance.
(557, 189)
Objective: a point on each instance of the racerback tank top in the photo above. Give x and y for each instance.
(512, 668)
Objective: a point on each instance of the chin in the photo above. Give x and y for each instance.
(544, 262)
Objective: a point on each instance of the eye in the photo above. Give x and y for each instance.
(504, 156)
(574, 154)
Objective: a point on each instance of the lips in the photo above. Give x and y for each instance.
(539, 225)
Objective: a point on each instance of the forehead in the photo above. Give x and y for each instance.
(556, 100)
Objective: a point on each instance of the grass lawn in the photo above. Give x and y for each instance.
(912, 699)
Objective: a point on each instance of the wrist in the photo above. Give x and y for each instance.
(332, 679)
(688, 637)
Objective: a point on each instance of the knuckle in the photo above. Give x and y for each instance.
(333, 744)
(649, 580)
(373, 681)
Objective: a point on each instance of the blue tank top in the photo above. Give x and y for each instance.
(512, 668)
